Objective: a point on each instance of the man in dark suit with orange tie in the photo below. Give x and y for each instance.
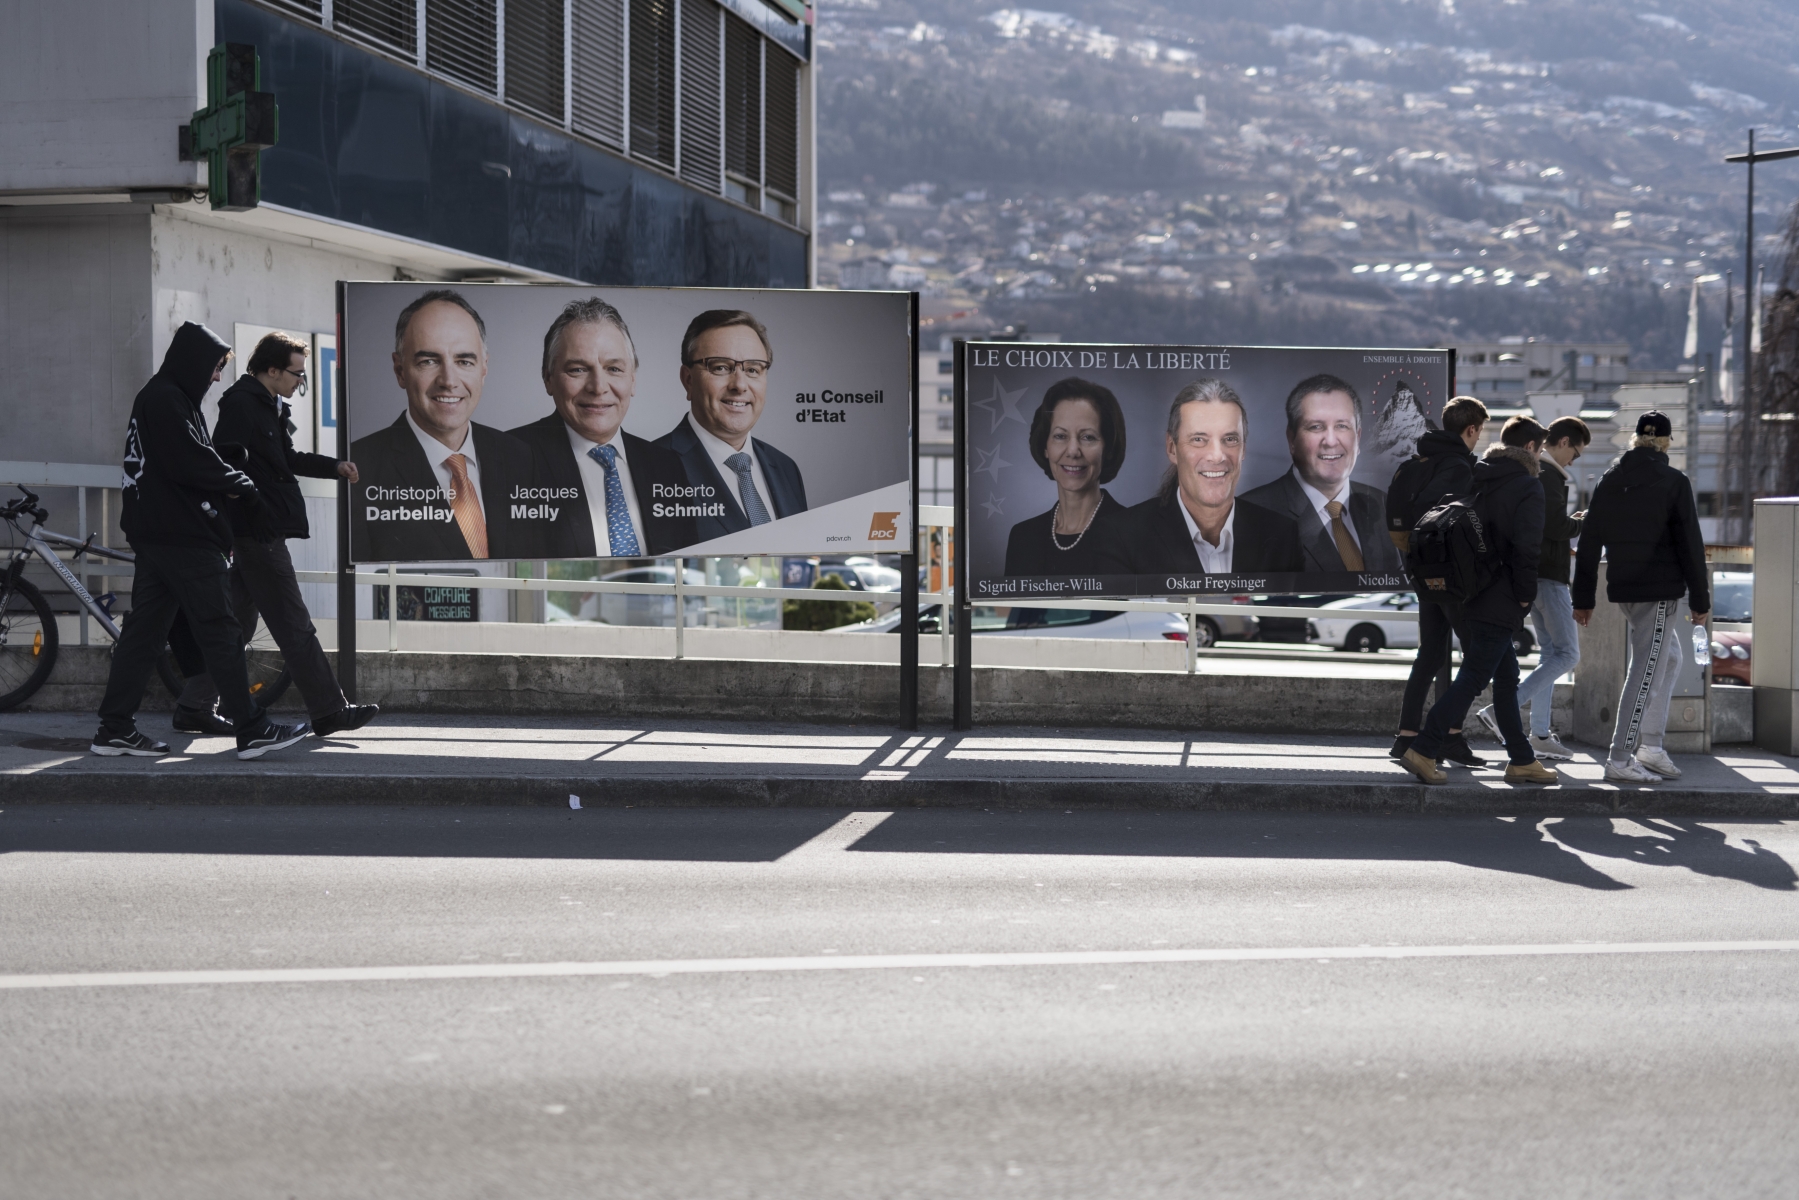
(740, 480)
(620, 506)
(435, 485)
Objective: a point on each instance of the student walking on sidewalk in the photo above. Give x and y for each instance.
(1509, 502)
(174, 517)
(1442, 470)
(1552, 615)
(254, 414)
(1644, 521)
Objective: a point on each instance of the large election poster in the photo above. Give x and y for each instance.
(1099, 470)
(502, 421)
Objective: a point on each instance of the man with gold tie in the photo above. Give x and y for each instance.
(435, 485)
(1341, 523)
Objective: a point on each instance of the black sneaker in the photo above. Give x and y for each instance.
(1455, 749)
(350, 716)
(1401, 744)
(266, 736)
(194, 720)
(112, 745)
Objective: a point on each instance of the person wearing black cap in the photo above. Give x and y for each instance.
(1644, 521)
(175, 518)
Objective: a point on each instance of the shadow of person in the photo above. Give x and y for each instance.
(1508, 844)
(1673, 843)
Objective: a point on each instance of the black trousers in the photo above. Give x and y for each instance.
(1435, 625)
(192, 581)
(262, 582)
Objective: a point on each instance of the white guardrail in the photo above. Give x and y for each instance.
(934, 521)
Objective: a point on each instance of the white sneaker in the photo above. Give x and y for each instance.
(1629, 771)
(1550, 747)
(1491, 724)
(1656, 759)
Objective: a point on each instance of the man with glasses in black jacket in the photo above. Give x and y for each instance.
(254, 414)
(174, 516)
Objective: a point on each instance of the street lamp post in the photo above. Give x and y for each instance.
(1751, 294)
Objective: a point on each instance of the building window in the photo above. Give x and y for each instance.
(946, 395)
(743, 112)
(389, 24)
(702, 47)
(781, 101)
(653, 81)
(598, 95)
(534, 56)
(460, 39)
(946, 422)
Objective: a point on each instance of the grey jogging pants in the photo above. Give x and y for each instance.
(1649, 681)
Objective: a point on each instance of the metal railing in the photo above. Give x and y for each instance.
(935, 523)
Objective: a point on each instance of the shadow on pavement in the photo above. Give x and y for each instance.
(1668, 842)
(680, 835)
(1491, 843)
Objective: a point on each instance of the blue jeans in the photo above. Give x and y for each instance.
(1488, 656)
(1558, 643)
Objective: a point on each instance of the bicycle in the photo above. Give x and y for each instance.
(29, 635)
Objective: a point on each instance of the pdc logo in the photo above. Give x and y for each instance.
(884, 527)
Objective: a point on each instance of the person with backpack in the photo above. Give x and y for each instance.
(1552, 616)
(1443, 468)
(1493, 540)
(1644, 521)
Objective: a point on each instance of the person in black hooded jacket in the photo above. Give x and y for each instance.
(174, 516)
(1509, 501)
(254, 414)
(1450, 453)
(1644, 521)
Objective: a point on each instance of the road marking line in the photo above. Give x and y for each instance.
(863, 962)
(840, 836)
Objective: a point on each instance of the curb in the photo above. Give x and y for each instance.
(800, 791)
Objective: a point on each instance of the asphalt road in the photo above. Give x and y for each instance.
(790, 1020)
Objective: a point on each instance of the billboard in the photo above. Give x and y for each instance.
(1116, 470)
(546, 421)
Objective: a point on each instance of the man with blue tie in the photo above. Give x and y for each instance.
(609, 490)
(739, 481)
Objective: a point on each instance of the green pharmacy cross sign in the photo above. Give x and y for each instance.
(238, 123)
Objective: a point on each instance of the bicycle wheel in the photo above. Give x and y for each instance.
(269, 676)
(28, 642)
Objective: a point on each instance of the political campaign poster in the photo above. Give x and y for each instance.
(1120, 470)
(550, 421)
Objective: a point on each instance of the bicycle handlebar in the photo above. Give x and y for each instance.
(21, 507)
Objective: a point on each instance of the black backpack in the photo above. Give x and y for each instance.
(1452, 558)
(1405, 497)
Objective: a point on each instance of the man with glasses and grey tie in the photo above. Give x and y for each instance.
(630, 486)
(738, 480)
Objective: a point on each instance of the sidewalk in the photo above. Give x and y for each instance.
(412, 759)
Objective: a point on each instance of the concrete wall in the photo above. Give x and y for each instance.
(93, 92)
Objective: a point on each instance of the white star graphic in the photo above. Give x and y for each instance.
(991, 463)
(995, 506)
(1002, 406)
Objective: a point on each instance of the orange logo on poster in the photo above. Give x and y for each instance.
(884, 527)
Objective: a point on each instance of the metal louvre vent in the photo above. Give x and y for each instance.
(783, 100)
(653, 80)
(460, 39)
(743, 100)
(392, 24)
(534, 56)
(599, 74)
(700, 93)
(302, 8)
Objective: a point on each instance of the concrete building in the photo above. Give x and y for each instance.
(609, 142)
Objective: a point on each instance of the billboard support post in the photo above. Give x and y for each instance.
(346, 569)
(680, 608)
(908, 626)
(962, 613)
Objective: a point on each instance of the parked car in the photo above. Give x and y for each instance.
(1733, 599)
(1731, 656)
(1047, 622)
(1291, 629)
(863, 575)
(1353, 623)
(624, 608)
